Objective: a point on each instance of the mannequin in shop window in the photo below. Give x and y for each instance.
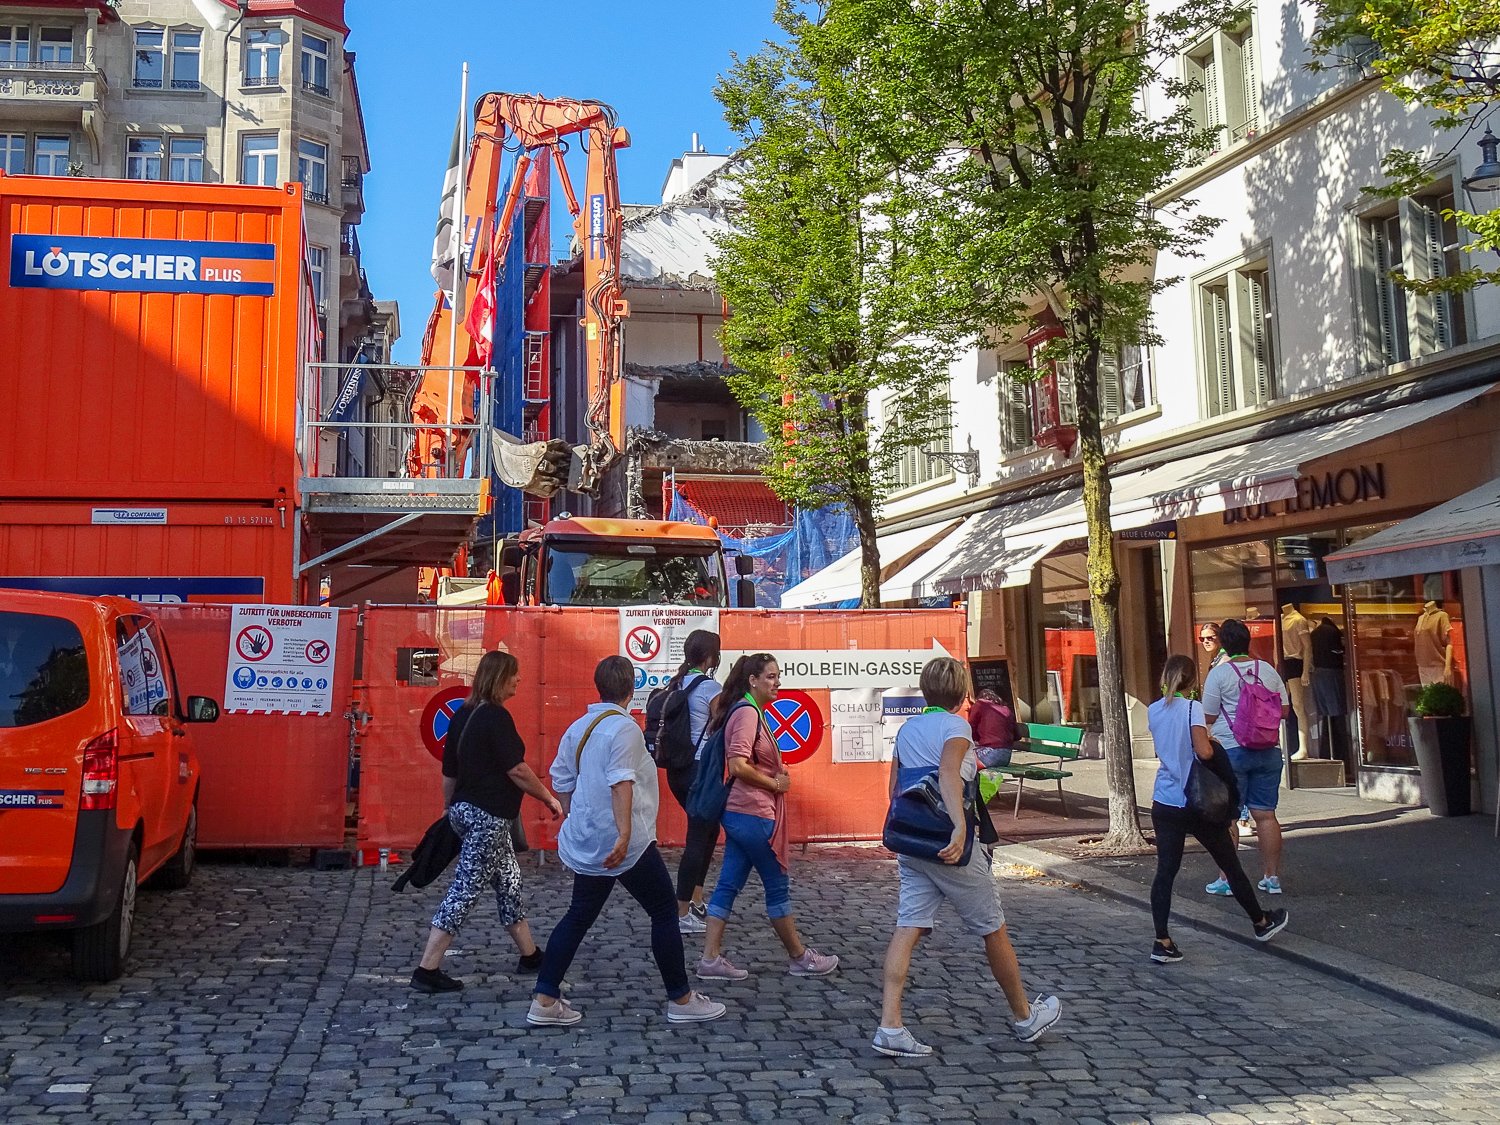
(1433, 642)
(1296, 670)
(1330, 697)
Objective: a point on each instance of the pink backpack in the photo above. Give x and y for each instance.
(1256, 721)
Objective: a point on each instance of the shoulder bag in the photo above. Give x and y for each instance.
(918, 824)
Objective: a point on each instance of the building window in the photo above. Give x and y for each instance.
(317, 263)
(1125, 381)
(1239, 365)
(1224, 74)
(15, 45)
(315, 52)
(259, 159)
(186, 57)
(1417, 240)
(263, 56)
(312, 170)
(143, 158)
(51, 156)
(913, 467)
(13, 153)
(1015, 405)
(55, 45)
(186, 160)
(150, 58)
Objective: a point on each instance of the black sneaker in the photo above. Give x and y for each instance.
(530, 962)
(434, 980)
(1275, 922)
(1165, 954)
(698, 910)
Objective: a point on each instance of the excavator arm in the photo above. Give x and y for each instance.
(541, 128)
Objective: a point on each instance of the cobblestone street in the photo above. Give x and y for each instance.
(280, 995)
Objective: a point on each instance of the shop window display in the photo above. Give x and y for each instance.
(1068, 635)
(1235, 581)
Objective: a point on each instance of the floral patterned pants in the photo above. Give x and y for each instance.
(485, 858)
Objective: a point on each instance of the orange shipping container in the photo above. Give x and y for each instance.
(148, 388)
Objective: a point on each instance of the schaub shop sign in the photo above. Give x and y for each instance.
(1332, 489)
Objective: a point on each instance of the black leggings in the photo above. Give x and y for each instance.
(702, 836)
(1173, 826)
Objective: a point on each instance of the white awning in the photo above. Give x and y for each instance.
(907, 583)
(839, 580)
(980, 555)
(1463, 532)
(1255, 472)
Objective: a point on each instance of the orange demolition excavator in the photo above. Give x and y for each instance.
(539, 127)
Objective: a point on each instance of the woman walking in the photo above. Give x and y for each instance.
(700, 660)
(755, 824)
(484, 775)
(608, 784)
(1179, 731)
(939, 740)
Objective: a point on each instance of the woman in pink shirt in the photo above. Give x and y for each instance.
(755, 824)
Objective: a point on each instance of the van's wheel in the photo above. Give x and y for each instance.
(99, 951)
(177, 871)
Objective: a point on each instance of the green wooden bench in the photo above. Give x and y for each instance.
(1060, 744)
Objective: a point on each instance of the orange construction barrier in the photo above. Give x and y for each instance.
(418, 662)
(269, 781)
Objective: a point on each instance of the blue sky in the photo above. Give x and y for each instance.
(655, 61)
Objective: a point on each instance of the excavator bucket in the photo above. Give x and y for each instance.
(538, 468)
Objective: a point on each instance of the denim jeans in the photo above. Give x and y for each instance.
(747, 845)
(651, 886)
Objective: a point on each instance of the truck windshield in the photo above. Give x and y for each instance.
(613, 576)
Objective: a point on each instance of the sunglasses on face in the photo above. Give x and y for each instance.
(1207, 637)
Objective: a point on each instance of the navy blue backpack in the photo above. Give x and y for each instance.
(710, 791)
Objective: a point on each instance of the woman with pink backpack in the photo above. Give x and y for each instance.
(1244, 702)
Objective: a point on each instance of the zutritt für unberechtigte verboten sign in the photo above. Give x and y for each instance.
(142, 265)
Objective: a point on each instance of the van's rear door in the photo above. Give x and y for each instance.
(48, 712)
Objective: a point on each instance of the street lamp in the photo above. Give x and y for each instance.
(963, 461)
(1486, 177)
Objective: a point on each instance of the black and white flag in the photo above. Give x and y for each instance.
(443, 242)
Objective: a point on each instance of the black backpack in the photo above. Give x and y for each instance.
(669, 725)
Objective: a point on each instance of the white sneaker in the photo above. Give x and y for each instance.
(900, 1043)
(690, 923)
(1271, 884)
(1045, 1011)
(547, 1015)
(698, 1009)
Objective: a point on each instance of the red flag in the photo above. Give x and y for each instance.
(480, 322)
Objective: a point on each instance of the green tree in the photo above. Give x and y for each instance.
(834, 307)
(1039, 155)
(1435, 53)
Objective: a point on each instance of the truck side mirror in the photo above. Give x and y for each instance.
(510, 555)
(201, 709)
(744, 592)
(744, 565)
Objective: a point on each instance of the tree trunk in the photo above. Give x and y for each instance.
(869, 552)
(1104, 602)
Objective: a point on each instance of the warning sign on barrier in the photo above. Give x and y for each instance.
(437, 716)
(281, 660)
(652, 636)
(796, 722)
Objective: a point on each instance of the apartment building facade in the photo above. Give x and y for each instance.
(1299, 401)
(200, 92)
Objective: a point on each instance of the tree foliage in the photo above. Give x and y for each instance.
(1037, 154)
(1441, 54)
(834, 305)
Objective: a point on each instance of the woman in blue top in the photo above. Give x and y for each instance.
(1180, 734)
(939, 740)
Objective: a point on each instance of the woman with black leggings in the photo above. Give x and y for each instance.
(700, 659)
(1180, 734)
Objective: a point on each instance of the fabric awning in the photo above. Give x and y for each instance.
(736, 503)
(839, 581)
(1463, 532)
(1254, 472)
(981, 555)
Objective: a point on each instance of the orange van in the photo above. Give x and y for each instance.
(98, 777)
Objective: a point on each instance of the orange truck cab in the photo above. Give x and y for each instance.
(575, 560)
(98, 774)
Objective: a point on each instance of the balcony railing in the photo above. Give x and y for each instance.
(146, 83)
(349, 242)
(252, 81)
(312, 195)
(315, 88)
(186, 84)
(353, 185)
(36, 64)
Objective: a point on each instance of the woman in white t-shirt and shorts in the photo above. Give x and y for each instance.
(940, 740)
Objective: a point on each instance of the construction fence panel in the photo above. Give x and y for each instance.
(268, 781)
(419, 663)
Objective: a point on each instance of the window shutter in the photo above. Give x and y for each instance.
(1015, 408)
(1218, 365)
(1442, 318)
(1110, 397)
(1212, 103)
(1251, 80)
(1067, 394)
(1258, 337)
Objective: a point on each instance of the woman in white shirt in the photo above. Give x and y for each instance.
(1179, 732)
(607, 785)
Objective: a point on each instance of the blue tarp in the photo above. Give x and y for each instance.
(814, 540)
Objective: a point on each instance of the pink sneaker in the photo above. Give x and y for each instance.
(811, 964)
(720, 968)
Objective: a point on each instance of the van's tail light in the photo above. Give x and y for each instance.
(101, 771)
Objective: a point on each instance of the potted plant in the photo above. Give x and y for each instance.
(1440, 736)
